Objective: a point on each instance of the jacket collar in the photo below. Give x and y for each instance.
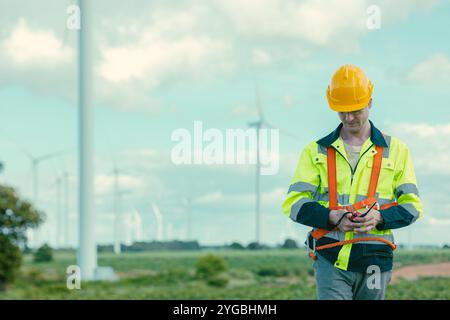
(375, 136)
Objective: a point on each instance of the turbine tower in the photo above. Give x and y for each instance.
(188, 203)
(59, 218)
(117, 248)
(66, 208)
(118, 216)
(87, 251)
(159, 222)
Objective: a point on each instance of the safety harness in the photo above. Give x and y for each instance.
(369, 202)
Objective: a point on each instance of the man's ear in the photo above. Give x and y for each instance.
(370, 103)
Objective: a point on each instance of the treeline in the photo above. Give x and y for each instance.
(192, 245)
(153, 246)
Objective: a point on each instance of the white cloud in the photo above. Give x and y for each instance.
(141, 174)
(219, 197)
(312, 21)
(268, 198)
(36, 47)
(209, 198)
(155, 59)
(434, 70)
(317, 22)
(424, 130)
(437, 222)
(150, 45)
(143, 160)
(276, 195)
(104, 184)
(421, 138)
(171, 44)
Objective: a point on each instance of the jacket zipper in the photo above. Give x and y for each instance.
(356, 167)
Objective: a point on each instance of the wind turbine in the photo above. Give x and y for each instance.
(62, 216)
(133, 227)
(159, 222)
(117, 248)
(35, 162)
(66, 208)
(188, 202)
(59, 218)
(117, 208)
(258, 124)
(118, 217)
(171, 235)
(137, 225)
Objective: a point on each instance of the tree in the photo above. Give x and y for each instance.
(210, 268)
(43, 254)
(290, 244)
(10, 261)
(236, 246)
(16, 216)
(210, 265)
(255, 246)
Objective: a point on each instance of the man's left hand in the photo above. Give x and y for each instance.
(369, 221)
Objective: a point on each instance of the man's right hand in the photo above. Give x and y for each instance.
(346, 224)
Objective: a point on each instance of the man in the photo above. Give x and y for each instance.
(353, 186)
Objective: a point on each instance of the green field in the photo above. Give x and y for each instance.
(266, 274)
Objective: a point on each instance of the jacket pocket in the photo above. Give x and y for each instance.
(385, 186)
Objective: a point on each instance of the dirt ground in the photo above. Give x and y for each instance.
(422, 270)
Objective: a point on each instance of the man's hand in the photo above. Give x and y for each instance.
(369, 222)
(346, 224)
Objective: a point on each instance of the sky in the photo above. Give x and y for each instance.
(160, 66)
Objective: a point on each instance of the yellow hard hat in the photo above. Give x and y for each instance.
(349, 90)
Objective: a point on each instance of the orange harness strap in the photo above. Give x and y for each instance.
(376, 168)
(332, 181)
(341, 243)
(370, 200)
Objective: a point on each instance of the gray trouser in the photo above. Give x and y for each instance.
(336, 284)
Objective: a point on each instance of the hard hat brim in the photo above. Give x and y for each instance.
(352, 107)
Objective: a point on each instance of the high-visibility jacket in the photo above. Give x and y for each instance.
(307, 200)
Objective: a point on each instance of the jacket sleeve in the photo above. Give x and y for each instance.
(299, 204)
(409, 207)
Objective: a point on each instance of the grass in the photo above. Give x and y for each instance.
(266, 274)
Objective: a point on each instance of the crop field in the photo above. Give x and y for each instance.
(259, 274)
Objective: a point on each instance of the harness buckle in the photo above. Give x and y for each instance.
(310, 252)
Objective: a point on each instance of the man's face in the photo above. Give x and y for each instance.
(354, 121)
